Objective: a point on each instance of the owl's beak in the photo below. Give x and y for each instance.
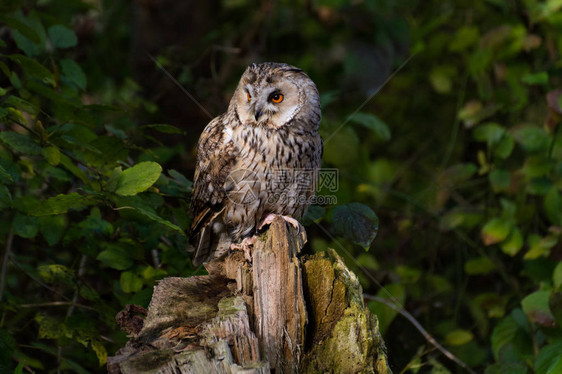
(258, 112)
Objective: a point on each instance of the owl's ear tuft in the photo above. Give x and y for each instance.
(250, 77)
(294, 70)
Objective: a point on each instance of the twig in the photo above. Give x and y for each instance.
(38, 281)
(7, 252)
(377, 90)
(56, 303)
(420, 328)
(159, 65)
(81, 269)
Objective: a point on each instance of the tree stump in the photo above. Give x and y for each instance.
(282, 313)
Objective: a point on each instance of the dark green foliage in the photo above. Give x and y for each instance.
(443, 117)
(81, 216)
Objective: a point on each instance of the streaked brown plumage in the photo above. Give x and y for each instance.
(269, 130)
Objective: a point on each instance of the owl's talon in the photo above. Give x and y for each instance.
(270, 217)
(246, 247)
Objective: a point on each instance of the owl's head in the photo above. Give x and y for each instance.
(274, 95)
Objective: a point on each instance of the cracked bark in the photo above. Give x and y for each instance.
(285, 313)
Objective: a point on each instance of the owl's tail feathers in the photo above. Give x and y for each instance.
(209, 244)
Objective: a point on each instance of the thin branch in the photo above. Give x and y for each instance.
(57, 303)
(81, 269)
(38, 281)
(159, 65)
(420, 328)
(377, 90)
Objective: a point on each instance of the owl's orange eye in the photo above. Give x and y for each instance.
(277, 98)
(249, 97)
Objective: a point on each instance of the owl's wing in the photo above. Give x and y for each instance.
(215, 157)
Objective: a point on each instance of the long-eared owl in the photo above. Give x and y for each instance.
(259, 158)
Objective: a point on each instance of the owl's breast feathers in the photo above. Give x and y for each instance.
(229, 193)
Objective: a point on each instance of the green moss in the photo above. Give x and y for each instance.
(231, 305)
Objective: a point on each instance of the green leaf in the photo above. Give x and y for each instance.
(138, 178)
(535, 78)
(341, 150)
(52, 228)
(552, 205)
(60, 204)
(386, 314)
(539, 246)
(22, 105)
(62, 37)
(457, 174)
(5, 176)
(29, 44)
(95, 225)
(549, 359)
(503, 333)
(18, 369)
(557, 277)
(20, 143)
(555, 306)
(465, 37)
(180, 179)
(130, 282)
(33, 68)
(73, 72)
(116, 257)
(504, 146)
(56, 274)
(536, 166)
(500, 180)
(5, 197)
(65, 363)
(479, 266)
(537, 309)
(165, 129)
(504, 367)
(100, 351)
(496, 230)
(25, 226)
(52, 155)
(20, 26)
(373, 123)
(532, 139)
(28, 361)
(441, 79)
(355, 222)
(50, 328)
(154, 217)
(514, 242)
(314, 213)
(490, 133)
(408, 274)
(458, 337)
(7, 347)
(69, 165)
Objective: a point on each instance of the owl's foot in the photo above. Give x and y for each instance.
(270, 217)
(245, 246)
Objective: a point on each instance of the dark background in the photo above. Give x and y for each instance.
(442, 117)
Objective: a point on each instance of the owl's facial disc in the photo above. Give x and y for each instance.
(271, 101)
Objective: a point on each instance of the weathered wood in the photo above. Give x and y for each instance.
(284, 312)
(279, 307)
